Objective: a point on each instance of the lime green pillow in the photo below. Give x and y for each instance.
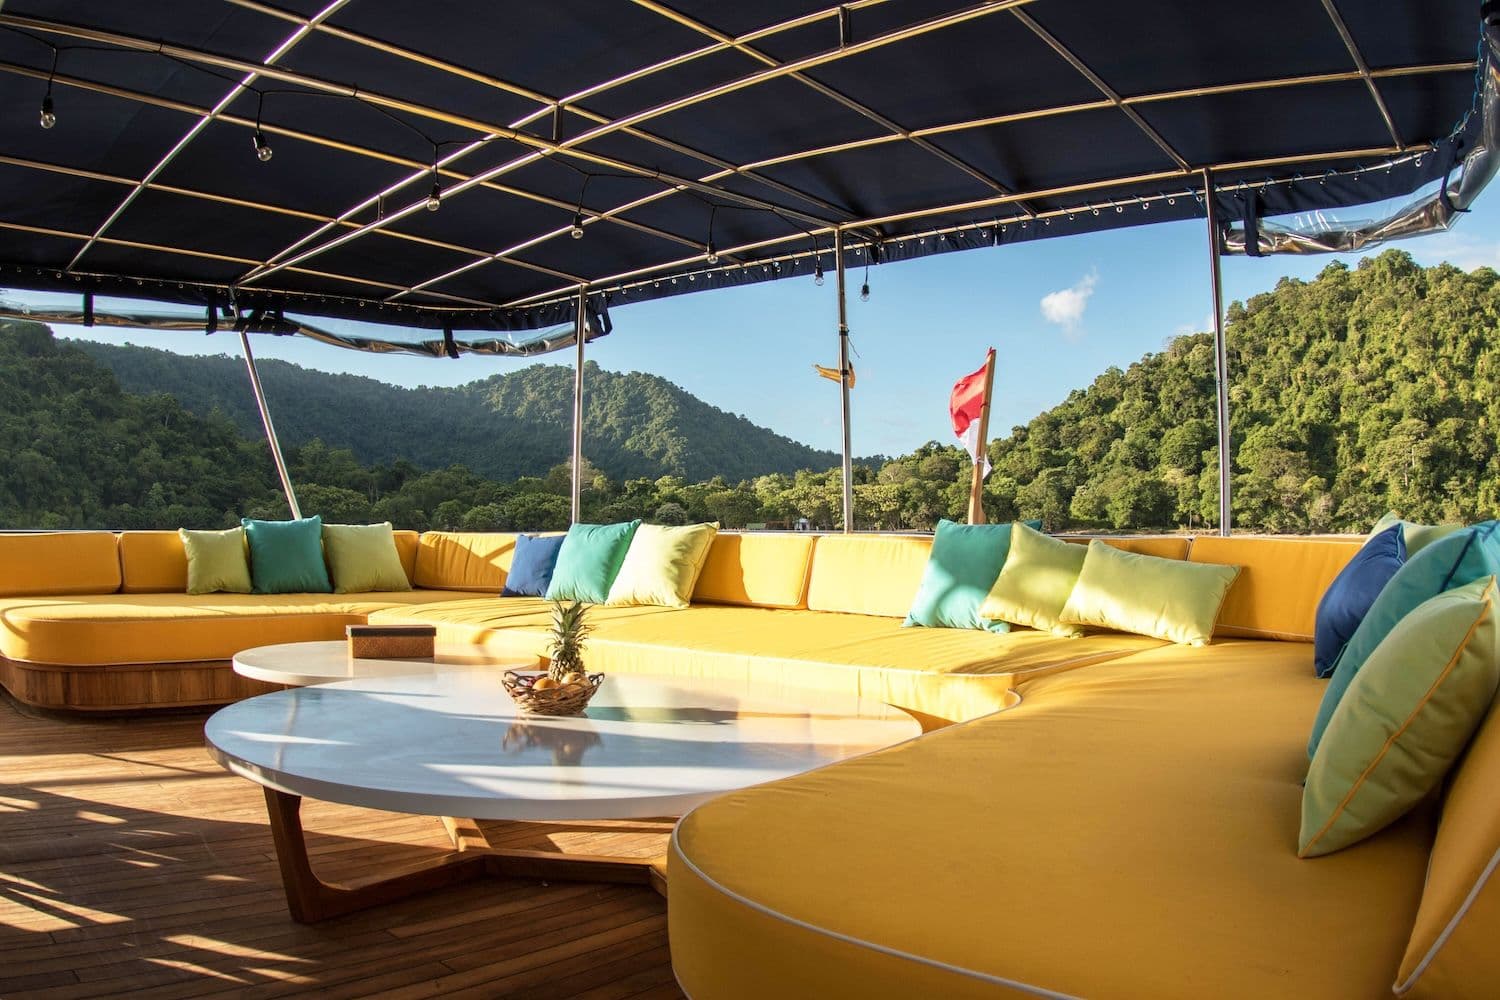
(1165, 598)
(1406, 717)
(1034, 584)
(661, 566)
(363, 558)
(589, 560)
(1416, 536)
(217, 561)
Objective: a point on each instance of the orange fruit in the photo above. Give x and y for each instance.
(543, 683)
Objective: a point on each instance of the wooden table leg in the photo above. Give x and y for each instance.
(310, 899)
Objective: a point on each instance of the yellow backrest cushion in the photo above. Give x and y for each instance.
(1452, 950)
(59, 562)
(152, 562)
(867, 574)
(757, 570)
(464, 560)
(406, 548)
(1280, 584)
(1160, 546)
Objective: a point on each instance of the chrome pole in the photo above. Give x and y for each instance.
(265, 419)
(1221, 354)
(838, 264)
(580, 334)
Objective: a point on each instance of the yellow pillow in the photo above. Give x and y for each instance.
(1165, 598)
(217, 561)
(662, 565)
(1033, 586)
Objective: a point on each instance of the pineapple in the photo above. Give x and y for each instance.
(565, 645)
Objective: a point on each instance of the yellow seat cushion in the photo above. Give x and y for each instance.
(941, 674)
(867, 574)
(97, 630)
(463, 560)
(152, 562)
(756, 570)
(59, 562)
(1280, 584)
(1452, 951)
(1129, 830)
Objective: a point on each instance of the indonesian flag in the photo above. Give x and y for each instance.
(964, 406)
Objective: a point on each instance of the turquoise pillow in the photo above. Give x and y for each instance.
(286, 557)
(965, 560)
(589, 560)
(1451, 561)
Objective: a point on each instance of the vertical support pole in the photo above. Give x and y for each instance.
(838, 263)
(265, 419)
(580, 333)
(1221, 353)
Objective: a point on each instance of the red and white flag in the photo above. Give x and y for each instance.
(964, 406)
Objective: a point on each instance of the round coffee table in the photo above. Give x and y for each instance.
(452, 744)
(297, 664)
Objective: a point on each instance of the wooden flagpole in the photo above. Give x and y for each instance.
(976, 482)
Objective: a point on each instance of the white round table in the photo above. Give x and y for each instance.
(452, 744)
(298, 664)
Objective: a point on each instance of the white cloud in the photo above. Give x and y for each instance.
(1066, 306)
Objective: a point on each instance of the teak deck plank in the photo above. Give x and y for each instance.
(131, 864)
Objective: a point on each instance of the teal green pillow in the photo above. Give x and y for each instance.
(589, 560)
(1416, 536)
(1452, 561)
(962, 568)
(1404, 721)
(286, 557)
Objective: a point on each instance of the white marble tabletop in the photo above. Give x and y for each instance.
(452, 743)
(301, 663)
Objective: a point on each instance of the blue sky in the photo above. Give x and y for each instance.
(1109, 298)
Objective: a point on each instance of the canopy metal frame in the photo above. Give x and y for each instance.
(799, 220)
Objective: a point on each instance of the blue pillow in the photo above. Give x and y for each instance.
(531, 566)
(1452, 561)
(286, 557)
(1349, 597)
(965, 560)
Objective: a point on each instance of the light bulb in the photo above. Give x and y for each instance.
(817, 272)
(435, 197)
(713, 255)
(48, 117)
(577, 231)
(864, 292)
(262, 150)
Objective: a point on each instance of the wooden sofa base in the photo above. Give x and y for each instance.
(126, 687)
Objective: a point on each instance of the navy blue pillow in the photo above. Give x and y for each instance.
(531, 566)
(1349, 597)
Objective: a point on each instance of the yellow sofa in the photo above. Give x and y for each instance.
(1126, 830)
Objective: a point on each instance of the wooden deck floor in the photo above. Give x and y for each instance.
(130, 863)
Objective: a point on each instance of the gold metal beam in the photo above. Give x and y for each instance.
(287, 44)
(1364, 70)
(1109, 92)
(1157, 177)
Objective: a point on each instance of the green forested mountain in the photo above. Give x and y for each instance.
(1364, 390)
(504, 426)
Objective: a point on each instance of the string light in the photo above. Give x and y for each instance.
(47, 116)
(577, 231)
(817, 270)
(262, 148)
(711, 255)
(435, 196)
(864, 290)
